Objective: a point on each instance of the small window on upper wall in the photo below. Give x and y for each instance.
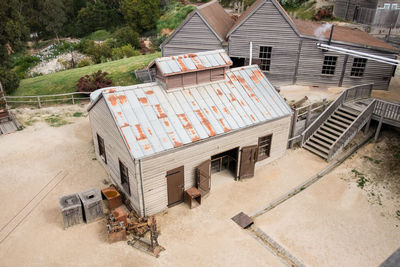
(358, 68)
(329, 65)
(265, 57)
(102, 148)
(386, 6)
(123, 170)
(264, 147)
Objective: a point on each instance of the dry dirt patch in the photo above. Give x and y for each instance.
(336, 222)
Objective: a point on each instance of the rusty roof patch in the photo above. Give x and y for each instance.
(152, 120)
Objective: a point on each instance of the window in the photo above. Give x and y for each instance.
(394, 6)
(386, 6)
(329, 65)
(264, 147)
(358, 68)
(102, 148)
(265, 57)
(123, 170)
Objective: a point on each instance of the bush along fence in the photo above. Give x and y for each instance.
(41, 100)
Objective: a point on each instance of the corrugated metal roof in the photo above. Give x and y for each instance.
(152, 120)
(192, 62)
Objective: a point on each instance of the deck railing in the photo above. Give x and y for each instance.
(352, 130)
(353, 93)
(39, 100)
(387, 110)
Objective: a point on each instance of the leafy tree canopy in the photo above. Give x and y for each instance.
(141, 15)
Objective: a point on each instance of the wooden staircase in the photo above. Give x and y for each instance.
(322, 140)
(340, 122)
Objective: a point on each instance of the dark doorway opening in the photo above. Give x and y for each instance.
(238, 62)
(227, 160)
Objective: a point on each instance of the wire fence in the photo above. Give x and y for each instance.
(40, 100)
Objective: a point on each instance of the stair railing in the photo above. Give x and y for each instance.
(352, 130)
(357, 92)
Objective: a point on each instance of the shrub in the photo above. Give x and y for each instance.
(94, 81)
(100, 35)
(128, 51)
(127, 35)
(9, 79)
(23, 63)
(117, 53)
(98, 52)
(84, 62)
(174, 16)
(157, 41)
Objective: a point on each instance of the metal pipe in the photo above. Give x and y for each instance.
(141, 185)
(251, 53)
(358, 54)
(331, 34)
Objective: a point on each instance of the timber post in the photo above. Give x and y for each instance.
(293, 130)
(39, 104)
(324, 104)
(73, 99)
(308, 118)
(378, 130)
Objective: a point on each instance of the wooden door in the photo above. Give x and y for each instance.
(203, 177)
(248, 162)
(175, 185)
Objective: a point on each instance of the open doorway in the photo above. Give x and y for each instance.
(225, 162)
(238, 62)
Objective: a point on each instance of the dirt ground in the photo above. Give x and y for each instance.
(351, 217)
(58, 139)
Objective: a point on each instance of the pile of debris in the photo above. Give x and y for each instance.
(121, 224)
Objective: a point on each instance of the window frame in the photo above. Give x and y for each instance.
(124, 177)
(267, 153)
(358, 69)
(102, 148)
(265, 57)
(329, 69)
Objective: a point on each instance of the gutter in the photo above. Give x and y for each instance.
(142, 187)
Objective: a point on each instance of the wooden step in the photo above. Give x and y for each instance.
(317, 146)
(347, 115)
(325, 138)
(339, 123)
(342, 119)
(349, 110)
(320, 142)
(330, 130)
(335, 127)
(315, 151)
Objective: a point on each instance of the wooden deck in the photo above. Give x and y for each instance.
(9, 125)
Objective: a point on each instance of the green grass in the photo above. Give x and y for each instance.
(77, 114)
(56, 121)
(65, 81)
(305, 11)
(174, 16)
(100, 35)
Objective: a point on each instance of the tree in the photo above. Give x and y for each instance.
(141, 15)
(127, 35)
(97, 16)
(13, 31)
(54, 16)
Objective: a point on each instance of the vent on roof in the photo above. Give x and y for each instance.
(191, 69)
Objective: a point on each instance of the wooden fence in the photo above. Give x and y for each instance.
(302, 118)
(40, 100)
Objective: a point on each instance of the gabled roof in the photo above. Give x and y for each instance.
(340, 34)
(308, 29)
(214, 16)
(152, 120)
(192, 62)
(253, 8)
(217, 18)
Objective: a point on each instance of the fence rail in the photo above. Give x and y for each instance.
(41, 99)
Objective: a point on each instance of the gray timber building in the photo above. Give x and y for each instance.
(286, 49)
(159, 139)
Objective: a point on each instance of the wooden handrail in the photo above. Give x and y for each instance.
(353, 129)
(357, 92)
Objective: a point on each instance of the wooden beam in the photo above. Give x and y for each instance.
(378, 130)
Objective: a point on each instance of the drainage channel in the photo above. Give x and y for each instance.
(266, 240)
(18, 218)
